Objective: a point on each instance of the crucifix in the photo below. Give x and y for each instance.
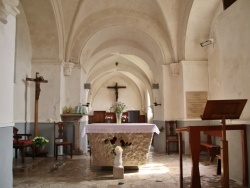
(116, 87)
(37, 80)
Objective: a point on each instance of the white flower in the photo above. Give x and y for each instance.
(118, 107)
(40, 141)
(118, 150)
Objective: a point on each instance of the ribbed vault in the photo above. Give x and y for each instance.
(140, 35)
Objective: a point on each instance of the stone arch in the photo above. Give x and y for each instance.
(143, 23)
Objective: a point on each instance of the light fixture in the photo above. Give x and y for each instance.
(207, 42)
(87, 86)
(87, 104)
(156, 104)
(155, 86)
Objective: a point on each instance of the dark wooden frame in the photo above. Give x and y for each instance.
(61, 129)
(194, 143)
(171, 136)
(19, 143)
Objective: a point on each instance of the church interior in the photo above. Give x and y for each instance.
(166, 61)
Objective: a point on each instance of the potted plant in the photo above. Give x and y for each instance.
(40, 142)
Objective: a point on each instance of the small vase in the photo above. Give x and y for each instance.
(118, 118)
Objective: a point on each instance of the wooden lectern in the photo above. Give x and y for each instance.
(215, 109)
(224, 109)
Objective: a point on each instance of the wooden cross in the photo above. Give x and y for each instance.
(38, 80)
(116, 87)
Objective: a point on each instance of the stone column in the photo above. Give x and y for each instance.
(75, 118)
(8, 7)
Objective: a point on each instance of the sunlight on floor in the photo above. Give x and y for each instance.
(152, 168)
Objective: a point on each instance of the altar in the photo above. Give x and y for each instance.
(138, 134)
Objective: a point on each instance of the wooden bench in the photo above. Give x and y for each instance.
(208, 146)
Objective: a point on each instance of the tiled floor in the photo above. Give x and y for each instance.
(161, 171)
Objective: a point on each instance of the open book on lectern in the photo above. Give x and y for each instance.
(228, 109)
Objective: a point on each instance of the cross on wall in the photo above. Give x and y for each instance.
(116, 87)
(37, 80)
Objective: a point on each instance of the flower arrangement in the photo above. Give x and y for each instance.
(124, 117)
(118, 107)
(112, 142)
(40, 141)
(108, 117)
(68, 110)
(118, 150)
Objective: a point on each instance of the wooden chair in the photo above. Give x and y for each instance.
(21, 142)
(60, 138)
(171, 136)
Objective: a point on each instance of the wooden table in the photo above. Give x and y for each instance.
(194, 144)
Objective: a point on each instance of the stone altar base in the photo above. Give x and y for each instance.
(118, 172)
(134, 155)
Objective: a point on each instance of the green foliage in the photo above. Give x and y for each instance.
(68, 110)
(118, 107)
(40, 141)
(112, 142)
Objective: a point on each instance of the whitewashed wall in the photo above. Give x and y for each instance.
(130, 95)
(73, 87)
(50, 100)
(159, 95)
(195, 78)
(229, 66)
(173, 92)
(85, 92)
(62, 89)
(49, 106)
(7, 62)
(23, 69)
(7, 49)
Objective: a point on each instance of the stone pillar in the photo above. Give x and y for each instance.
(7, 62)
(75, 118)
(8, 7)
(83, 139)
(118, 169)
(118, 172)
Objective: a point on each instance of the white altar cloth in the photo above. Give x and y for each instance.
(120, 128)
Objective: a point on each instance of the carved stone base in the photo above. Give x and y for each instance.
(118, 172)
(134, 155)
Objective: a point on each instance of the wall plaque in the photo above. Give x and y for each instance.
(195, 103)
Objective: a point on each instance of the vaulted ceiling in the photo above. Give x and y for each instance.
(141, 35)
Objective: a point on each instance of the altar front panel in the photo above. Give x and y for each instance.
(139, 134)
(134, 155)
